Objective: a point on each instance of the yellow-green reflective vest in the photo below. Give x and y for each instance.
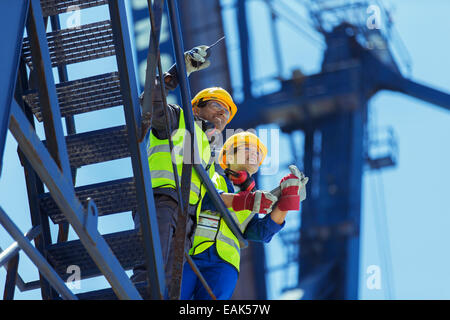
(160, 161)
(211, 228)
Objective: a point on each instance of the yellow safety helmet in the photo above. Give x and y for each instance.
(218, 94)
(238, 139)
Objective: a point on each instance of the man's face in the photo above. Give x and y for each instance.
(215, 112)
(245, 157)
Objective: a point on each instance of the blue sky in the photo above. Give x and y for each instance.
(416, 206)
(412, 236)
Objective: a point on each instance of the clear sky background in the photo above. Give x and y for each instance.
(405, 210)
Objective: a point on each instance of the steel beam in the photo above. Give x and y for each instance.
(11, 32)
(48, 99)
(186, 175)
(144, 192)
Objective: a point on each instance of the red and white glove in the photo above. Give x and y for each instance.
(257, 202)
(293, 190)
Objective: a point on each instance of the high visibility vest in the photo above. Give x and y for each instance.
(211, 228)
(160, 161)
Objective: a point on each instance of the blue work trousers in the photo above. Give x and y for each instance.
(220, 276)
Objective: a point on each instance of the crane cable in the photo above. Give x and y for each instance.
(381, 226)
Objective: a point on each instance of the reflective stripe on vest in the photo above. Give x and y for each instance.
(160, 160)
(226, 243)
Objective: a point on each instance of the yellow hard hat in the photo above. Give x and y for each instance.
(241, 138)
(218, 94)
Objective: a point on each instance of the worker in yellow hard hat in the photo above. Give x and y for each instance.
(212, 107)
(221, 108)
(216, 250)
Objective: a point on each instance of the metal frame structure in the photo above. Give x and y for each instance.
(54, 162)
(10, 57)
(330, 107)
(51, 162)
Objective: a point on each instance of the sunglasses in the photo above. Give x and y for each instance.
(218, 106)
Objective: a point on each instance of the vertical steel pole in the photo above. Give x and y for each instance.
(11, 277)
(180, 232)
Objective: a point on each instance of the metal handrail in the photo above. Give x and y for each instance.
(44, 267)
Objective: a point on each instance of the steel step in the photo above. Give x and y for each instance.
(126, 246)
(110, 197)
(108, 294)
(54, 7)
(98, 146)
(83, 95)
(67, 46)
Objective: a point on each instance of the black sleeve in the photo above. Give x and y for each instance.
(171, 78)
(158, 118)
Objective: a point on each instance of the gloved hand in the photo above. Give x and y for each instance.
(257, 202)
(195, 59)
(293, 190)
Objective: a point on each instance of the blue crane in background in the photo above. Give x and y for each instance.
(329, 107)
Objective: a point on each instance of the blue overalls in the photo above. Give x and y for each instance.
(220, 275)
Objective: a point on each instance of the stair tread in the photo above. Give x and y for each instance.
(83, 95)
(54, 7)
(110, 197)
(98, 146)
(126, 246)
(66, 46)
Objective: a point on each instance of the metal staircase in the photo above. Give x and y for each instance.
(37, 96)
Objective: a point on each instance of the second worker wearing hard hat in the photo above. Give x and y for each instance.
(216, 251)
